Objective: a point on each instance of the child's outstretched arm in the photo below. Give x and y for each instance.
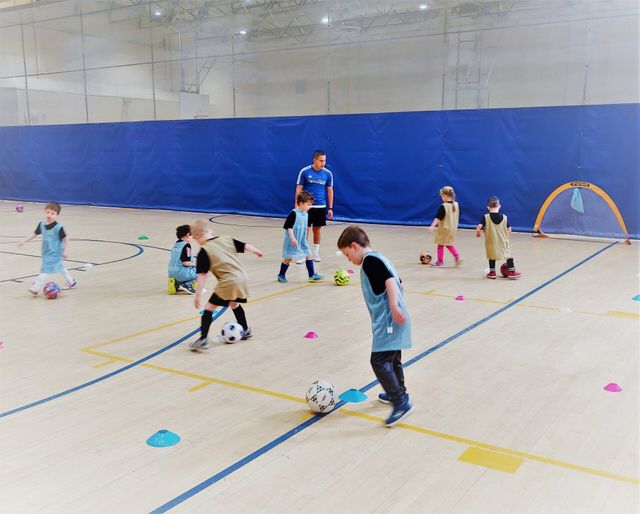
(391, 286)
(30, 238)
(250, 248)
(478, 229)
(433, 225)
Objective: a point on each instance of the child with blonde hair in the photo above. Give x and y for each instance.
(218, 256)
(446, 222)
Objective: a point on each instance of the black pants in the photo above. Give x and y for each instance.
(388, 369)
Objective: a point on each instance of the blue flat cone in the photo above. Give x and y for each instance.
(163, 438)
(353, 396)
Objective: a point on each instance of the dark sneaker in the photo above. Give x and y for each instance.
(384, 398)
(491, 275)
(282, 279)
(247, 334)
(186, 288)
(399, 413)
(199, 344)
(514, 275)
(171, 286)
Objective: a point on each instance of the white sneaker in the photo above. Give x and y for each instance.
(199, 345)
(300, 261)
(33, 291)
(316, 258)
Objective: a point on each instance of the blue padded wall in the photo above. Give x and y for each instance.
(387, 167)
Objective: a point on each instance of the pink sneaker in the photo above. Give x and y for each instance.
(491, 275)
(437, 264)
(514, 275)
(459, 261)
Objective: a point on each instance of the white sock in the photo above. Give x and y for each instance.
(37, 283)
(316, 250)
(67, 275)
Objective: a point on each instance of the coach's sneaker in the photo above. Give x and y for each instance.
(70, 285)
(514, 275)
(171, 287)
(282, 279)
(399, 413)
(491, 274)
(199, 344)
(316, 277)
(247, 334)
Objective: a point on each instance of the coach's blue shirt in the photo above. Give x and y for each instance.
(316, 183)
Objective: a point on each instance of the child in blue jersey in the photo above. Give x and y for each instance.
(390, 323)
(55, 247)
(182, 266)
(317, 180)
(295, 245)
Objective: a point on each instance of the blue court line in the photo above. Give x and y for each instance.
(108, 375)
(288, 435)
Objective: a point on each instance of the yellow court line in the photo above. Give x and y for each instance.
(614, 314)
(506, 451)
(205, 380)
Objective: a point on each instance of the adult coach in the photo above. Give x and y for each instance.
(317, 180)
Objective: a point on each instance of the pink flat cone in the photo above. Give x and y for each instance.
(311, 335)
(460, 298)
(613, 388)
(350, 271)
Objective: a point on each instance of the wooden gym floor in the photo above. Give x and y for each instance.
(511, 414)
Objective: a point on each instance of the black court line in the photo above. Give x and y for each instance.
(302, 426)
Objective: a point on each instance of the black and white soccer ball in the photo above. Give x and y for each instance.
(231, 332)
(321, 396)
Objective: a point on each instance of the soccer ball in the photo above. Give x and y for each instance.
(341, 277)
(51, 290)
(504, 269)
(425, 258)
(321, 396)
(231, 332)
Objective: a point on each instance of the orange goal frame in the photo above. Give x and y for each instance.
(583, 185)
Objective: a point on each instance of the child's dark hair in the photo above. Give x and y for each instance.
(53, 206)
(304, 197)
(182, 231)
(449, 192)
(318, 153)
(493, 202)
(353, 234)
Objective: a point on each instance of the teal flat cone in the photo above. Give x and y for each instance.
(353, 396)
(163, 438)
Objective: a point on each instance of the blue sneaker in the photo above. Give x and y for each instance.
(316, 278)
(282, 279)
(399, 413)
(384, 398)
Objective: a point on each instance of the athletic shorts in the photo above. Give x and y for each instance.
(221, 302)
(317, 217)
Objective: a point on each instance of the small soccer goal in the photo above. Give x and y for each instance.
(580, 210)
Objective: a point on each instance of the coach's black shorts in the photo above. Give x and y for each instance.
(317, 217)
(221, 302)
